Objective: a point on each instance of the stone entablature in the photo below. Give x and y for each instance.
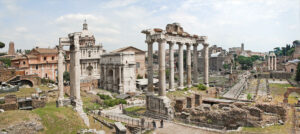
(118, 72)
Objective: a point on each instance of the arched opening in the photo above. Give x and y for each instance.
(26, 82)
(292, 70)
(110, 79)
(289, 91)
(90, 70)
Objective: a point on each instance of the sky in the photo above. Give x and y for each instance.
(260, 24)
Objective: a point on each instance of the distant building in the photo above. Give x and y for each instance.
(291, 66)
(296, 53)
(139, 59)
(217, 58)
(40, 61)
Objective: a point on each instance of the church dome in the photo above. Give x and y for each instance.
(85, 32)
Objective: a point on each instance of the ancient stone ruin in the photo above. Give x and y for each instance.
(174, 34)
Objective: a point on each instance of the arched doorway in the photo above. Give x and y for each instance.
(90, 70)
(289, 91)
(110, 79)
(26, 82)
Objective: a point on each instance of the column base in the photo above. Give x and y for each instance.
(189, 86)
(181, 87)
(60, 102)
(195, 84)
(172, 89)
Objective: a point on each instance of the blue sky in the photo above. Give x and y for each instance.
(260, 24)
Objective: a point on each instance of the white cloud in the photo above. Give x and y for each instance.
(118, 3)
(21, 29)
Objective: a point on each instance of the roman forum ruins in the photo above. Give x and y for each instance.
(173, 34)
(73, 41)
(272, 61)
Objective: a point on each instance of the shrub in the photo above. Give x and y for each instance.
(202, 87)
(139, 77)
(185, 89)
(249, 96)
(104, 97)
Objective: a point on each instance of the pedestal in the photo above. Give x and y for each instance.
(159, 107)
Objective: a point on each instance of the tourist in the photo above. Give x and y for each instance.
(161, 123)
(154, 124)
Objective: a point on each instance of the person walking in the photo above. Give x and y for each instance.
(154, 124)
(161, 123)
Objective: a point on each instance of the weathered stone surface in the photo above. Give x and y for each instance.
(275, 109)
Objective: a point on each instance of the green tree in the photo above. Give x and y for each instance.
(6, 61)
(298, 73)
(2, 45)
(66, 76)
(245, 62)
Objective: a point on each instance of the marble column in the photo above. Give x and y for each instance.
(71, 68)
(206, 64)
(188, 64)
(76, 59)
(181, 86)
(275, 63)
(60, 72)
(162, 67)
(150, 68)
(195, 65)
(271, 62)
(171, 65)
(269, 66)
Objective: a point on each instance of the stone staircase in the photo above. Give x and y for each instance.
(82, 114)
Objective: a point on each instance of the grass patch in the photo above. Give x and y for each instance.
(135, 111)
(16, 116)
(26, 91)
(278, 90)
(59, 120)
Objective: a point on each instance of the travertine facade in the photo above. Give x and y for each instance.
(90, 54)
(118, 72)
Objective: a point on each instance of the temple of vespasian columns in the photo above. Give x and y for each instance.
(159, 106)
(73, 41)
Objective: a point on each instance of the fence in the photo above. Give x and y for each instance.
(201, 124)
(128, 120)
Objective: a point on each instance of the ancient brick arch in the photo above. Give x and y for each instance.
(34, 79)
(289, 91)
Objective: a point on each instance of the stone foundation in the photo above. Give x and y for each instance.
(159, 107)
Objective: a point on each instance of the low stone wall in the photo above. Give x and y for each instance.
(276, 75)
(232, 116)
(9, 106)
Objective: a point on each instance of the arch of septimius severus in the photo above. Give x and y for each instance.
(174, 34)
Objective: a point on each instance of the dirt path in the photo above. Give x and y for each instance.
(172, 128)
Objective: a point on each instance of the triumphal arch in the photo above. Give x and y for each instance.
(159, 106)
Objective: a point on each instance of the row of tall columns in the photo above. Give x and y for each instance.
(162, 74)
(272, 63)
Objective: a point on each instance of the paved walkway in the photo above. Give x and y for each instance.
(236, 90)
(172, 128)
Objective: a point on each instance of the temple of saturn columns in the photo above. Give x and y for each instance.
(159, 106)
(272, 61)
(73, 42)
